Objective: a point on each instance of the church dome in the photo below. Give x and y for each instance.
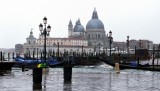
(78, 27)
(95, 23)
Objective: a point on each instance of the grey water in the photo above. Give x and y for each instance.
(88, 78)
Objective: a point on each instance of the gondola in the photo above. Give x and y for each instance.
(131, 65)
(30, 62)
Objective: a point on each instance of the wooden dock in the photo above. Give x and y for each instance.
(6, 65)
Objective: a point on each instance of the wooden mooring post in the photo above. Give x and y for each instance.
(37, 75)
(138, 62)
(23, 67)
(67, 73)
(37, 86)
(1, 56)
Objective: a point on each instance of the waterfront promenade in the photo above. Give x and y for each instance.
(90, 78)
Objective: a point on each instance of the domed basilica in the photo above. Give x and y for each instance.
(94, 32)
(92, 38)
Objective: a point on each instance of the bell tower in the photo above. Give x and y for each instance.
(70, 29)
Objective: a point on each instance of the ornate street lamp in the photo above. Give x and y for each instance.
(110, 42)
(44, 31)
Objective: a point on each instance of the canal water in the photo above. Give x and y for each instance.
(89, 78)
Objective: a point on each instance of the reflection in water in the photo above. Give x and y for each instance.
(110, 82)
(45, 74)
(67, 86)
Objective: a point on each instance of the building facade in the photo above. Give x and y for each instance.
(138, 44)
(19, 48)
(90, 39)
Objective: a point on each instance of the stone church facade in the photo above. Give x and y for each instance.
(94, 32)
(93, 38)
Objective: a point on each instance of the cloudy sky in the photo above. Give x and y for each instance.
(140, 19)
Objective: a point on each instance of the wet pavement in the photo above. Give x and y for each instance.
(89, 78)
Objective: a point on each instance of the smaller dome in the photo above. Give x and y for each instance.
(78, 27)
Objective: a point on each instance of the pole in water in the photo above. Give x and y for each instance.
(67, 74)
(23, 68)
(8, 56)
(1, 56)
(37, 75)
(37, 86)
(138, 62)
(117, 68)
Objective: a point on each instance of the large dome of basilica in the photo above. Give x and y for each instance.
(94, 23)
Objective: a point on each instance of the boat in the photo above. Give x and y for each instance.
(121, 65)
(54, 62)
(30, 62)
(131, 65)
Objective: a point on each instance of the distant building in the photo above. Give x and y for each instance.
(19, 48)
(141, 44)
(138, 44)
(121, 46)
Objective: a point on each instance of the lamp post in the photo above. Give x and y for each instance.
(127, 41)
(44, 31)
(110, 42)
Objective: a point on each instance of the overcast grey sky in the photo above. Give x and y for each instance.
(140, 19)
